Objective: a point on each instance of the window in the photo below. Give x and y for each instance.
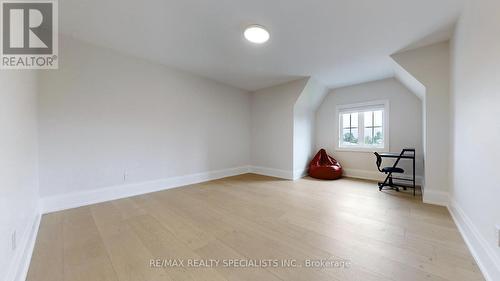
(363, 127)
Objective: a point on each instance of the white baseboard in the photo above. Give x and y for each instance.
(300, 173)
(363, 174)
(77, 199)
(294, 175)
(21, 261)
(371, 175)
(271, 172)
(485, 257)
(433, 197)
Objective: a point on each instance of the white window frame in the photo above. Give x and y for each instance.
(362, 107)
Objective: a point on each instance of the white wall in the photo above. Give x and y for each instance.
(18, 167)
(108, 119)
(431, 66)
(475, 103)
(304, 121)
(405, 124)
(272, 128)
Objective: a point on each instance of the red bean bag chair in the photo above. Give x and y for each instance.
(324, 167)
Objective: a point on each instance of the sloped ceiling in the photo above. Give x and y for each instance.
(339, 42)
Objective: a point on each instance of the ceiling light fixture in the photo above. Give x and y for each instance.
(256, 34)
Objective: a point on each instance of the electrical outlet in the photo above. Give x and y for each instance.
(14, 244)
(498, 235)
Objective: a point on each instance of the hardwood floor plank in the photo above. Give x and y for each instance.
(47, 262)
(177, 223)
(218, 250)
(128, 255)
(163, 245)
(85, 256)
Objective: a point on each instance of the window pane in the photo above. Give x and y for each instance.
(354, 118)
(368, 118)
(378, 117)
(346, 120)
(373, 132)
(378, 138)
(349, 137)
(368, 136)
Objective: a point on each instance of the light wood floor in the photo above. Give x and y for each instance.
(383, 235)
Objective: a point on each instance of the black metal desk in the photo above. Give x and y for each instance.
(407, 153)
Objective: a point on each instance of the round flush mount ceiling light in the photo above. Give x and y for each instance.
(256, 34)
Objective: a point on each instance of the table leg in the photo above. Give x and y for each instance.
(414, 175)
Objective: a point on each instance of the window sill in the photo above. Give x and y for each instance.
(361, 149)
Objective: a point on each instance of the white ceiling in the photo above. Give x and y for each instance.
(339, 42)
